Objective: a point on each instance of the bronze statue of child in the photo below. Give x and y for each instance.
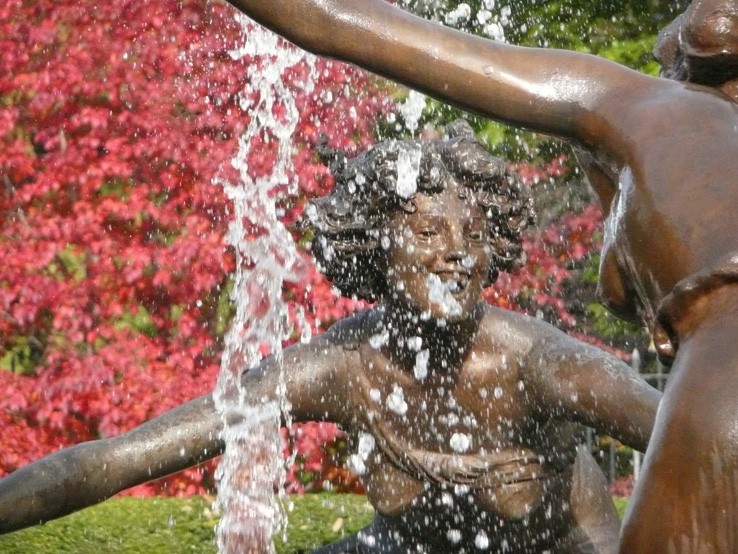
(466, 418)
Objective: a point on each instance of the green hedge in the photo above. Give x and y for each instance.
(174, 526)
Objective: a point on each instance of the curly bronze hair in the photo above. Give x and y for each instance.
(348, 222)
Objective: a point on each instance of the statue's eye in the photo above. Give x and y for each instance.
(476, 235)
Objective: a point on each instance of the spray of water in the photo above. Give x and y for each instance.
(266, 257)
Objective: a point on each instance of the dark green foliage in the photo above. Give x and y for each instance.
(571, 24)
(588, 26)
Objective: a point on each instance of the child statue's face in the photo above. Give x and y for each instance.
(438, 256)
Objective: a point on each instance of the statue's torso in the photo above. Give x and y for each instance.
(672, 212)
(464, 446)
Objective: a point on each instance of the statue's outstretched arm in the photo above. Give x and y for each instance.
(558, 92)
(580, 382)
(91, 472)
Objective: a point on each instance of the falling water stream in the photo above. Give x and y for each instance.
(266, 257)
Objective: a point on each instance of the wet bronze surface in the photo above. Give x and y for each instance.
(661, 154)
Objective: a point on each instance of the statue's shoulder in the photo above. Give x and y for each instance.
(499, 320)
(515, 332)
(350, 332)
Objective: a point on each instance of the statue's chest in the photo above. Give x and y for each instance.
(480, 407)
(627, 283)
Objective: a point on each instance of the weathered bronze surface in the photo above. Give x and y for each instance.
(661, 154)
(466, 418)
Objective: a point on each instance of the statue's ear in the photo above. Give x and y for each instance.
(668, 51)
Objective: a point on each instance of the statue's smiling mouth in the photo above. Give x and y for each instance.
(454, 281)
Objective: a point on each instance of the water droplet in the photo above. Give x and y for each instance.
(412, 109)
(481, 541)
(366, 445)
(420, 370)
(379, 340)
(461, 13)
(367, 539)
(439, 293)
(454, 536)
(415, 343)
(408, 167)
(498, 392)
(460, 442)
(396, 401)
(363, 450)
(461, 489)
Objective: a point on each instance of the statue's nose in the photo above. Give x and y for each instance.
(456, 249)
(455, 256)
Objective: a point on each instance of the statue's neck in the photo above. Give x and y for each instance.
(447, 342)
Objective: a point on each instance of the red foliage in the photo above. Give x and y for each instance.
(114, 121)
(319, 452)
(551, 252)
(622, 486)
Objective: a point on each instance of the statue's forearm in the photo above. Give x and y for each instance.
(388, 41)
(55, 486)
(91, 472)
(547, 90)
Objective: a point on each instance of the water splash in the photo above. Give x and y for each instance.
(266, 257)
